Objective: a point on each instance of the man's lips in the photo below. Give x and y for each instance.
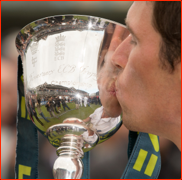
(113, 93)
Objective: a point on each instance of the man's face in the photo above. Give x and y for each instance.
(107, 72)
(143, 89)
(106, 86)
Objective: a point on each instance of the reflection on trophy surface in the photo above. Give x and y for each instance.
(69, 84)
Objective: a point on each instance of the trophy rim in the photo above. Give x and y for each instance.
(38, 22)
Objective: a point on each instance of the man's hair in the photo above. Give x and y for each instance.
(167, 21)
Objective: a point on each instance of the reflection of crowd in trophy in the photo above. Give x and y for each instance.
(60, 24)
(85, 101)
(55, 106)
(32, 111)
(52, 105)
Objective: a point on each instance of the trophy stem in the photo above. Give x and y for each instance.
(73, 138)
(69, 165)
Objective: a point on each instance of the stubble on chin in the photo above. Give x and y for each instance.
(131, 123)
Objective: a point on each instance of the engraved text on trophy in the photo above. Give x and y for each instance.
(33, 49)
(60, 47)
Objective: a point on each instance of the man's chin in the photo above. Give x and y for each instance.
(130, 125)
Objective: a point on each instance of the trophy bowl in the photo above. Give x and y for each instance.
(69, 84)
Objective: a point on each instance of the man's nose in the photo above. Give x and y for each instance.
(121, 54)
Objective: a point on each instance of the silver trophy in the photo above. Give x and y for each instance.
(69, 84)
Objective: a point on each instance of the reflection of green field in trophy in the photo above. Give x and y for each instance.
(81, 113)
